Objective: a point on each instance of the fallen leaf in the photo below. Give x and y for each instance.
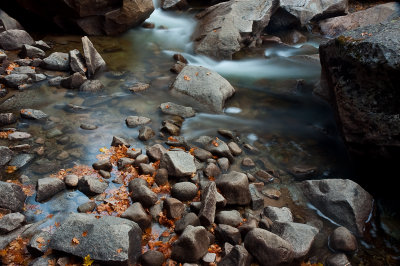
(40, 240)
(87, 261)
(84, 234)
(185, 77)
(75, 241)
(11, 169)
(57, 224)
(119, 250)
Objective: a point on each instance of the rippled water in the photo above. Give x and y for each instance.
(273, 109)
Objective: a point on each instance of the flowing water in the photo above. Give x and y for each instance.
(273, 109)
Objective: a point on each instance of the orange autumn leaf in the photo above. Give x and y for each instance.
(84, 234)
(57, 224)
(11, 169)
(185, 77)
(197, 73)
(75, 241)
(215, 143)
(167, 106)
(40, 240)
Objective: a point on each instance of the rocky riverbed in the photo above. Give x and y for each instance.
(147, 149)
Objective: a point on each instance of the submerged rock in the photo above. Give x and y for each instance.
(134, 121)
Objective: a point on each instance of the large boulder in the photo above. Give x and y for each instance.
(371, 16)
(108, 240)
(191, 245)
(204, 86)
(15, 39)
(224, 28)
(8, 23)
(47, 187)
(234, 186)
(179, 163)
(361, 71)
(12, 197)
(93, 59)
(93, 17)
(342, 200)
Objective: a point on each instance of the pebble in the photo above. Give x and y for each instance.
(248, 162)
(234, 148)
(71, 180)
(88, 126)
(19, 135)
(271, 193)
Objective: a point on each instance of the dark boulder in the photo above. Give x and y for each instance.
(8, 23)
(94, 62)
(15, 39)
(47, 187)
(56, 61)
(234, 186)
(12, 197)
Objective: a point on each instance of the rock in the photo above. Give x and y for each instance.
(91, 86)
(33, 114)
(174, 208)
(141, 193)
(56, 61)
(161, 177)
(134, 153)
(203, 85)
(278, 214)
(234, 148)
(123, 238)
(248, 162)
(87, 207)
(74, 81)
(19, 135)
(174, 4)
(31, 52)
(292, 37)
(137, 87)
(226, 27)
(177, 67)
(142, 158)
(371, 16)
(227, 233)
(8, 23)
(219, 148)
(48, 187)
(105, 174)
(92, 186)
(184, 191)
(223, 164)
(12, 197)
(343, 240)
(117, 141)
(231, 218)
(176, 109)
(10, 222)
(42, 45)
(134, 121)
(300, 236)
(170, 128)
(180, 58)
(268, 248)
(156, 152)
(94, 62)
(234, 186)
(5, 155)
(3, 57)
(55, 81)
(201, 154)
(338, 259)
(23, 70)
(136, 213)
(38, 77)
(221, 201)
(147, 169)
(146, 133)
(152, 258)
(212, 170)
(257, 200)
(53, 133)
(271, 193)
(7, 119)
(342, 200)
(124, 162)
(103, 165)
(247, 226)
(179, 163)
(16, 80)
(189, 219)
(237, 256)
(77, 62)
(192, 245)
(208, 204)
(39, 243)
(366, 55)
(21, 160)
(14, 39)
(264, 176)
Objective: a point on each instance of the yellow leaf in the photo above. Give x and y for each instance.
(87, 261)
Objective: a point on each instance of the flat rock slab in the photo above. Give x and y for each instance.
(108, 239)
(176, 109)
(203, 85)
(179, 163)
(56, 61)
(33, 114)
(134, 121)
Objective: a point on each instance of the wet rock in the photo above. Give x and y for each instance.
(133, 154)
(271, 193)
(189, 219)
(227, 233)
(77, 62)
(94, 62)
(123, 238)
(174, 208)
(91, 86)
(292, 37)
(234, 148)
(184, 191)
(174, 4)
(33, 114)
(87, 207)
(265, 223)
(53, 133)
(170, 128)
(39, 243)
(342, 200)
(179, 163)
(278, 214)
(161, 177)
(176, 109)
(19, 135)
(208, 204)
(142, 158)
(221, 201)
(134, 121)
(248, 162)
(264, 176)
(226, 27)
(268, 248)
(31, 52)
(48, 187)
(371, 16)
(234, 186)
(15, 80)
(103, 165)
(14, 39)
(223, 164)
(247, 226)
(212, 170)
(219, 148)
(21, 160)
(178, 141)
(343, 240)
(226, 133)
(74, 81)
(38, 77)
(237, 256)
(147, 169)
(152, 258)
(7, 119)
(202, 154)
(338, 259)
(257, 200)
(105, 174)
(136, 213)
(146, 133)
(141, 193)
(10, 222)
(300, 236)
(56, 61)
(156, 152)
(117, 141)
(124, 162)
(203, 85)
(231, 218)
(92, 186)
(42, 45)
(23, 70)
(8, 23)
(3, 57)
(5, 155)
(155, 211)
(55, 81)
(3, 91)
(192, 245)
(177, 67)
(137, 87)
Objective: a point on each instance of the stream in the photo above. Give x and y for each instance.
(273, 109)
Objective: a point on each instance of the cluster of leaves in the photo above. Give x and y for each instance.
(16, 253)
(78, 170)
(4, 134)
(29, 190)
(115, 203)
